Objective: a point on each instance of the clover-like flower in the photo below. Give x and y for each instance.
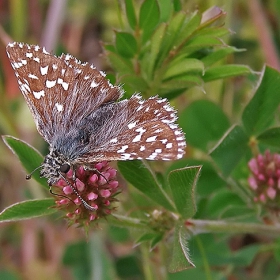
(265, 178)
(97, 188)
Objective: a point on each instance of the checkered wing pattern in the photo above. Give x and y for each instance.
(76, 110)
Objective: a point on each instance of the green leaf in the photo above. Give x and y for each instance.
(152, 237)
(166, 9)
(172, 31)
(27, 210)
(225, 71)
(270, 137)
(200, 42)
(182, 82)
(180, 257)
(188, 28)
(209, 181)
(140, 176)
(126, 44)
(245, 256)
(152, 55)
(121, 65)
(183, 67)
(130, 13)
(219, 54)
(230, 150)
(259, 112)
(29, 157)
(148, 18)
(183, 183)
(222, 201)
(203, 122)
(137, 83)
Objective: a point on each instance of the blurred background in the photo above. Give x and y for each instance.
(44, 248)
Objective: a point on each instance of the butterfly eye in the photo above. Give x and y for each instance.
(64, 167)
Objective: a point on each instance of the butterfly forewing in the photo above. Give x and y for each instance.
(58, 89)
(76, 110)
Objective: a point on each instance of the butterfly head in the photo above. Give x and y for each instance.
(54, 165)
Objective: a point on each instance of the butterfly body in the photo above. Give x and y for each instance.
(78, 112)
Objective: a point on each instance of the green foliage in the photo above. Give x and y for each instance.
(27, 210)
(29, 157)
(169, 52)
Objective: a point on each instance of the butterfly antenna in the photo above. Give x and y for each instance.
(86, 205)
(28, 176)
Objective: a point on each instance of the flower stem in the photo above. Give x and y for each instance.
(202, 226)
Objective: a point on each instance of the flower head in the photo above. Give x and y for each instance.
(95, 189)
(265, 178)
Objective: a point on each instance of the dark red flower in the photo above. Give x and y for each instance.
(265, 178)
(97, 187)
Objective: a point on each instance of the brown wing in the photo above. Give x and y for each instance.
(139, 129)
(58, 89)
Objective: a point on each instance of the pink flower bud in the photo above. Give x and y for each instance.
(271, 193)
(270, 182)
(92, 196)
(77, 201)
(80, 171)
(69, 174)
(107, 202)
(105, 193)
(253, 166)
(93, 178)
(80, 185)
(63, 201)
(261, 177)
(112, 172)
(102, 181)
(61, 183)
(98, 166)
(113, 184)
(92, 217)
(253, 183)
(262, 198)
(67, 190)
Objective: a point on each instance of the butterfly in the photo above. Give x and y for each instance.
(80, 114)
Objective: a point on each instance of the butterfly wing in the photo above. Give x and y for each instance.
(137, 129)
(58, 89)
(76, 112)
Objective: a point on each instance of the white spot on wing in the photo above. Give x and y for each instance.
(39, 94)
(131, 125)
(169, 145)
(151, 139)
(64, 84)
(59, 107)
(44, 70)
(50, 84)
(137, 138)
(123, 149)
(114, 140)
(94, 84)
(33, 76)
